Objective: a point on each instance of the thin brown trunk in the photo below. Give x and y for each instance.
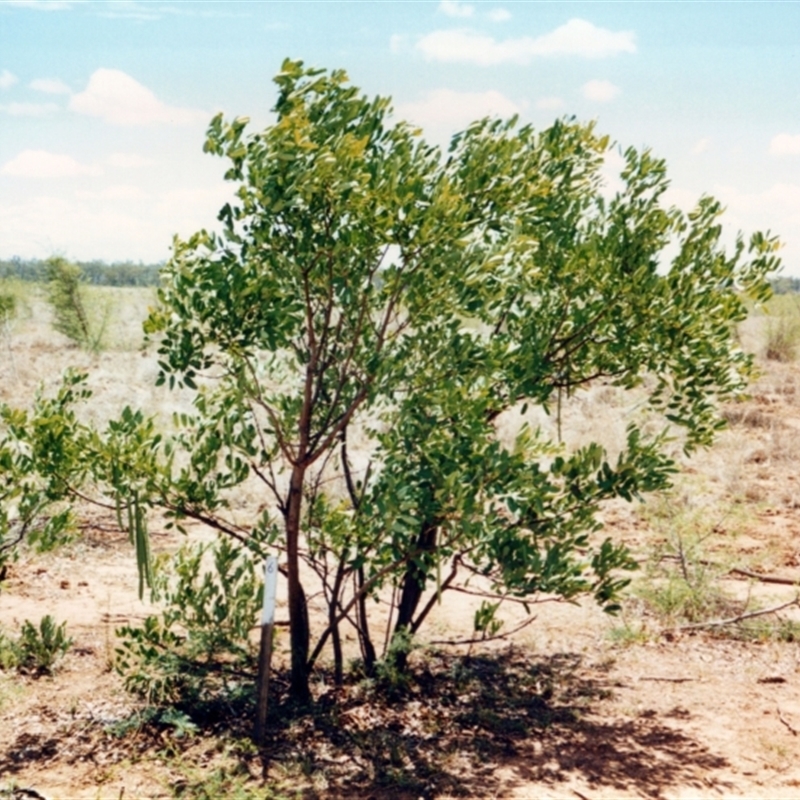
(333, 623)
(298, 610)
(338, 663)
(367, 648)
(414, 585)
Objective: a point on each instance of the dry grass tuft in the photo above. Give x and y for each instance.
(782, 338)
(749, 415)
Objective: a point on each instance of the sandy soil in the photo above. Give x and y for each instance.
(666, 713)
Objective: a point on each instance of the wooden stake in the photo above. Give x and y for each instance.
(265, 652)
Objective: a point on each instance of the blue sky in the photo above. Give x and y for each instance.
(103, 105)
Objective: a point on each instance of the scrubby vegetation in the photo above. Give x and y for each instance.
(96, 273)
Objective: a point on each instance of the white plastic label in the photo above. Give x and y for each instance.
(270, 587)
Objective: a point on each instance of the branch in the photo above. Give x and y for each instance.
(13, 543)
(376, 578)
(355, 499)
(786, 722)
(87, 499)
(455, 642)
(781, 580)
(495, 596)
(241, 535)
(716, 623)
(258, 397)
(765, 578)
(437, 595)
(271, 485)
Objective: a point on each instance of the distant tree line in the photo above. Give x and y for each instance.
(120, 273)
(785, 285)
(127, 273)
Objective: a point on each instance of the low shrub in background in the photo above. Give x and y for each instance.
(782, 338)
(66, 297)
(37, 649)
(8, 307)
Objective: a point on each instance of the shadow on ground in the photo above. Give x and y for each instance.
(479, 726)
(465, 726)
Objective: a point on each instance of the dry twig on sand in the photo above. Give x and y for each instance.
(786, 722)
(716, 623)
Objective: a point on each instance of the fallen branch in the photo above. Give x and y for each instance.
(745, 573)
(504, 635)
(716, 623)
(669, 680)
(765, 578)
(786, 722)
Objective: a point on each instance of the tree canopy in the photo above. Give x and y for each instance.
(364, 280)
(370, 311)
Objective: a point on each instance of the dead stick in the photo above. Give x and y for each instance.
(765, 578)
(733, 620)
(745, 573)
(786, 722)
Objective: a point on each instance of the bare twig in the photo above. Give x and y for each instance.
(505, 597)
(786, 722)
(781, 580)
(483, 639)
(716, 623)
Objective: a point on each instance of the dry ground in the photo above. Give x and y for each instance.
(579, 706)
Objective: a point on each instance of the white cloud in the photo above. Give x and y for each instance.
(776, 208)
(50, 86)
(600, 91)
(780, 200)
(42, 164)
(701, 146)
(28, 109)
(455, 9)
(684, 199)
(499, 15)
(149, 11)
(119, 99)
(128, 160)
(576, 38)
(784, 144)
(130, 9)
(191, 201)
(7, 79)
(41, 226)
(113, 223)
(397, 43)
(549, 103)
(43, 5)
(118, 192)
(613, 164)
(443, 111)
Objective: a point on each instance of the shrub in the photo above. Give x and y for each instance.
(782, 338)
(37, 649)
(8, 307)
(199, 646)
(66, 297)
(365, 281)
(367, 284)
